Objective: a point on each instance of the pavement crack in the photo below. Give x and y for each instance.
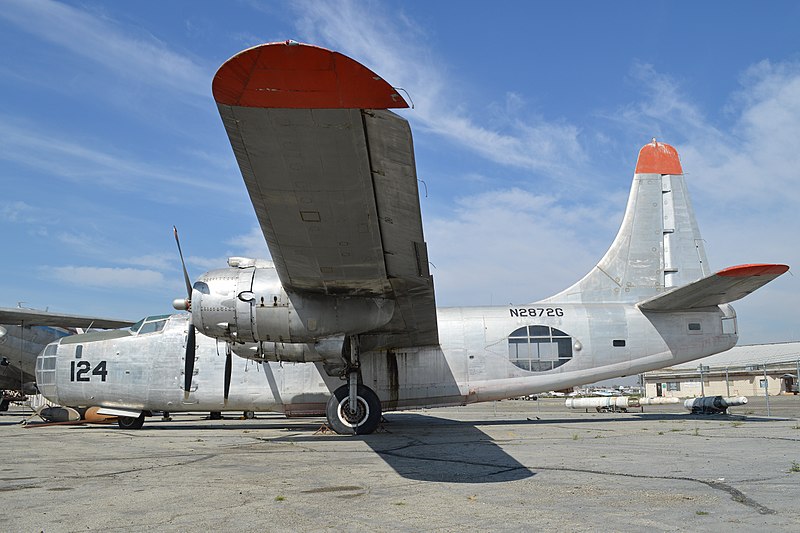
(736, 495)
(499, 468)
(145, 468)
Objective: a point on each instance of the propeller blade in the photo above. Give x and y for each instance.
(189, 369)
(183, 264)
(228, 365)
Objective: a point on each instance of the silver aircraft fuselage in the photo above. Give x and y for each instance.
(144, 371)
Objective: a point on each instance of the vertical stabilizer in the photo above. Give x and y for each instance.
(658, 246)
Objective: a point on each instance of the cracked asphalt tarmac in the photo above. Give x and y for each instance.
(505, 466)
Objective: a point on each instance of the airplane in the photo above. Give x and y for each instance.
(605, 392)
(343, 322)
(23, 335)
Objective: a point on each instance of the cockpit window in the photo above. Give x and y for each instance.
(539, 348)
(152, 327)
(150, 324)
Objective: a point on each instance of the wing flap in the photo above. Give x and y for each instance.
(723, 287)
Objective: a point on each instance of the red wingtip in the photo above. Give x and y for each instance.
(743, 271)
(658, 158)
(300, 76)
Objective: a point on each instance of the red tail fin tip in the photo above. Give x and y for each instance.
(658, 158)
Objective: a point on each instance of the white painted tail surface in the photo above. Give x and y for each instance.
(658, 246)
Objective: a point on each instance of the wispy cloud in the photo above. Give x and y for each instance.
(515, 246)
(395, 47)
(153, 261)
(665, 105)
(17, 212)
(100, 39)
(748, 164)
(122, 278)
(250, 244)
(31, 147)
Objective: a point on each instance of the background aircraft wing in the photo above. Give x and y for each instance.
(331, 174)
(723, 287)
(34, 317)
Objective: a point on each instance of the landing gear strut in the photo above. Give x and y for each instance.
(354, 409)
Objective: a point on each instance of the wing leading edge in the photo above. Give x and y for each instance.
(723, 287)
(331, 174)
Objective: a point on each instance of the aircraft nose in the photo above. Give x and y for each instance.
(46, 364)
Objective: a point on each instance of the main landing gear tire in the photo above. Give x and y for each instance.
(129, 422)
(367, 415)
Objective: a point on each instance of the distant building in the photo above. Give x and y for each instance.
(738, 372)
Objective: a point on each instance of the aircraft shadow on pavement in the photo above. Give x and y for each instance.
(418, 447)
(427, 448)
(437, 449)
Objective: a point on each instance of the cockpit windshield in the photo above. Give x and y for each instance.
(150, 324)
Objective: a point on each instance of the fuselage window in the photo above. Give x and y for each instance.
(79, 351)
(539, 348)
(618, 343)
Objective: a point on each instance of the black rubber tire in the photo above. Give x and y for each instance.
(369, 411)
(128, 422)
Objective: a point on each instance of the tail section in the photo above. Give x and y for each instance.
(658, 246)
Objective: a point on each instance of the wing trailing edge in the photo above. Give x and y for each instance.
(722, 287)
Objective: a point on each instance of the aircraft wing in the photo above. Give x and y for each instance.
(331, 174)
(723, 287)
(34, 317)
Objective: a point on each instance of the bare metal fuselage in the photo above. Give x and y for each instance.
(472, 364)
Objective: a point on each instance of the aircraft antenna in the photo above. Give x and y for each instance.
(426, 186)
(409, 96)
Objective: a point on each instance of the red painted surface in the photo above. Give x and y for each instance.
(746, 271)
(658, 158)
(301, 76)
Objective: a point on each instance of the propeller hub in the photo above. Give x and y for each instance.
(182, 304)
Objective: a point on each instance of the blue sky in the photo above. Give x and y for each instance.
(528, 118)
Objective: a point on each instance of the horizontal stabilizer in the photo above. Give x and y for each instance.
(723, 287)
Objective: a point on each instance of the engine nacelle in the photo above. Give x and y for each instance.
(247, 303)
(324, 350)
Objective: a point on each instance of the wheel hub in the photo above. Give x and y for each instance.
(353, 419)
